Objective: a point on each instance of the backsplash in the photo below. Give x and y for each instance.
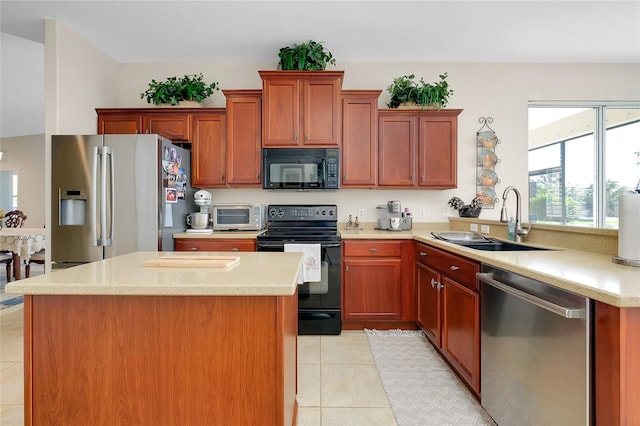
(594, 240)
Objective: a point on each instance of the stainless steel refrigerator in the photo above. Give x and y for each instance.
(116, 194)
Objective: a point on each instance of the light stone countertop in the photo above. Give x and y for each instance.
(255, 274)
(589, 274)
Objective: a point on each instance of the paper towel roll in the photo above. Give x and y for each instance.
(629, 226)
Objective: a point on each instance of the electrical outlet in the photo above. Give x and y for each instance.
(421, 212)
(360, 213)
(484, 229)
(473, 227)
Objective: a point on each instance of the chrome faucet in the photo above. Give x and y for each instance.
(519, 232)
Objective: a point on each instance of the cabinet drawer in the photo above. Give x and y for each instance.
(368, 248)
(186, 244)
(458, 268)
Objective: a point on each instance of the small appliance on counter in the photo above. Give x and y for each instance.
(199, 221)
(392, 218)
(238, 217)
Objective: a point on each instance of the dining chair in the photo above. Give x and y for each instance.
(37, 257)
(12, 219)
(6, 257)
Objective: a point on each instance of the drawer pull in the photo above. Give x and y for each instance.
(454, 267)
(193, 248)
(423, 253)
(235, 249)
(373, 249)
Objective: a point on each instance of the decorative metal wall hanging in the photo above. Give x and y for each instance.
(486, 176)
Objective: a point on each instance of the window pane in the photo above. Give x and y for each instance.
(579, 179)
(622, 158)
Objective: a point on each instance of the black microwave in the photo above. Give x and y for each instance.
(301, 168)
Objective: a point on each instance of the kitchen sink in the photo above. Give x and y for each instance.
(477, 241)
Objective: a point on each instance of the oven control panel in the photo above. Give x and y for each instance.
(303, 212)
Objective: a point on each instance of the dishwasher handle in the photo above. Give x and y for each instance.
(563, 311)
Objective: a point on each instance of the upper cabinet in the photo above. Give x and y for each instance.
(244, 132)
(301, 108)
(208, 165)
(170, 123)
(418, 148)
(360, 138)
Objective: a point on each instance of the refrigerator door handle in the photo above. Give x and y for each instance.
(106, 210)
(94, 198)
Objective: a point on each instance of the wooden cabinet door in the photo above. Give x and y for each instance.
(372, 289)
(397, 150)
(244, 130)
(281, 113)
(359, 138)
(119, 124)
(461, 330)
(301, 108)
(208, 150)
(437, 158)
(201, 244)
(171, 126)
(429, 302)
(321, 114)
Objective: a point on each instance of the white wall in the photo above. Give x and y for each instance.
(25, 156)
(21, 87)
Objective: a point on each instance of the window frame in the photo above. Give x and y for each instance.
(599, 134)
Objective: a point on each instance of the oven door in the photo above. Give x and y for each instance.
(318, 302)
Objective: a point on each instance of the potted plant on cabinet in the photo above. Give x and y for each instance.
(175, 91)
(405, 91)
(310, 56)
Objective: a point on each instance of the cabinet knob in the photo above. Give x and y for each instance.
(454, 267)
(422, 178)
(422, 253)
(433, 283)
(295, 136)
(194, 249)
(440, 286)
(306, 136)
(373, 249)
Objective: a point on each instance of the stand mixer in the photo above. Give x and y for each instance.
(199, 221)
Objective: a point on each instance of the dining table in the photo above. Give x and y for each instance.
(22, 243)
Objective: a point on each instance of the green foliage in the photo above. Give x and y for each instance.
(310, 56)
(174, 89)
(406, 89)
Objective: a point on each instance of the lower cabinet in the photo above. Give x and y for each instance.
(378, 287)
(215, 244)
(448, 309)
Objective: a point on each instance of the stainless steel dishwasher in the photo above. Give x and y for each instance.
(535, 351)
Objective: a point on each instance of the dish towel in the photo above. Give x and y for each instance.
(310, 271)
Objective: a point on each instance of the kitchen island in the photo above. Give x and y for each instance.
(115, 342)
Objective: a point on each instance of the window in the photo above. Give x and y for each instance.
(581, 158)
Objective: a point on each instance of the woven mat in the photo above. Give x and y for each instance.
(421, 388)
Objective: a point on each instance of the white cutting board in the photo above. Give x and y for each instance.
(193, 261)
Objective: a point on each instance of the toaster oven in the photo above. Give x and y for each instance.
(240, 217)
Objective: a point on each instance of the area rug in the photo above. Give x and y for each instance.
(421, 388)
(7, 303)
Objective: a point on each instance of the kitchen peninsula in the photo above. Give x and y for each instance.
(116, 342)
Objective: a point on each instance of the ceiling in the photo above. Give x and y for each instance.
(354, 31)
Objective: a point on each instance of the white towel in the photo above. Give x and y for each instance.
(310, 271)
